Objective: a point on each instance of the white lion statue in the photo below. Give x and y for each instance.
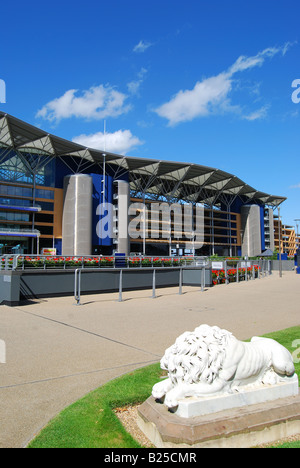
(212, 361)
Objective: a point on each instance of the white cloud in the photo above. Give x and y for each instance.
(258, 114)
(244, 63)
(119, 142)
(142, 46)
(134, 86)
(98, 102)
(188, 104)
(297, 186)
(211, 95)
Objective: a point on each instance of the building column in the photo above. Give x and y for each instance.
(251, 230)
(77, 216)
(123, 219)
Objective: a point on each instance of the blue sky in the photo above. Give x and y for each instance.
(208, 82)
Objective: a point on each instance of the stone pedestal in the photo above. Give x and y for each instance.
(239, 427)
(193, 406)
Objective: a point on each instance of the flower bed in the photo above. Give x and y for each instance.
(153, 262)
(219, 276)
(61, 262)
(51, 262)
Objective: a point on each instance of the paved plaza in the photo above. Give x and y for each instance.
(56, 352)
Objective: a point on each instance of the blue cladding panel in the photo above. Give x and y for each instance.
(235, 207)
(97, 200)
(58, 246)
(62, 170)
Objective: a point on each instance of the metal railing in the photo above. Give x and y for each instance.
(250, 271)
(45, 262)
(223, 272)
(237, 270)
(122, 271)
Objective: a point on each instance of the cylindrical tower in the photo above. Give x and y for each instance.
(123, 205)
(77, 215)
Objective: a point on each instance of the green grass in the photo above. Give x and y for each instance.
(91, 422)
(286, 338)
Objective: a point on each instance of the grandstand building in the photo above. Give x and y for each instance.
(58, 194)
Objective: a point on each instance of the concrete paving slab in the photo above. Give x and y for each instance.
(56, 352)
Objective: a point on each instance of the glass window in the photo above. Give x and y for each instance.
(48, 230)
(15, 202)
(43, 218)
(14, 217)
(26, 192)
(16, 191)
(46, 206)
(19, 191)
(42, 193)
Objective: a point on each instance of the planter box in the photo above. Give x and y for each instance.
(17, 286)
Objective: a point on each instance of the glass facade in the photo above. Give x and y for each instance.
(26, 180)
(16, 191)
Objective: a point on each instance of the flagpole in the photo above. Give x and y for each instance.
(104, 167)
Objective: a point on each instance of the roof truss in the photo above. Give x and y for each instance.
(149, 177)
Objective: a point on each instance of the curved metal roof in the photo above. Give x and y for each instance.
(156, 178)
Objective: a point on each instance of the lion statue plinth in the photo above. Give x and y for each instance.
(210, 361)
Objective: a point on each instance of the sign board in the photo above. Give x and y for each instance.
(217, 265)
(120, 260)
(49, 251)
(245, 264)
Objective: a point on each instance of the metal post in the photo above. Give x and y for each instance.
(203, 279)
(226, 281)
(33, 214)
(144, 226)
(237, 273)
(153, 285)
(180, 281)
(253, 272)
(77, 286)
(15, 262)
(279, 229)
(120, 285)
